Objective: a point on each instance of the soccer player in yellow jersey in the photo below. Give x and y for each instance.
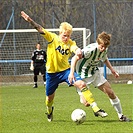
(59, 49)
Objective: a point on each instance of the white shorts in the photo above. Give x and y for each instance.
(97, 80)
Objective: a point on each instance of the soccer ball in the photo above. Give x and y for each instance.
(78, 116)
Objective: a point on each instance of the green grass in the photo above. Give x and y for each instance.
(23, 111)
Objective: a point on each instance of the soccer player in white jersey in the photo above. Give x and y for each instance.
(87, 68)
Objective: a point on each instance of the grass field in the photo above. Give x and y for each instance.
(23, 111)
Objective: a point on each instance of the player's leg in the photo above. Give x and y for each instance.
(86, 98)
(43, 72)
(88, 81)
(36, 73)
(49, 106)
(83, 101)
(79, 83)
(51, 85)
(35, 81)
(114, 100)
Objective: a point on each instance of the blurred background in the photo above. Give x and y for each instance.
(113, 16)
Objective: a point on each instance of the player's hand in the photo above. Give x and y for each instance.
(79, 53)
(24, 15)
(71, 78)
(116, 74)
(31, 67)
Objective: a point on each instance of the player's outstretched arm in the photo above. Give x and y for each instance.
(108, 64)
(33, 23)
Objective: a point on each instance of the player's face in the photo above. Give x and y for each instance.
(65, 36)
(38, 46)
(102, 47)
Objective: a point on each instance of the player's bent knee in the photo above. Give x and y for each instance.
(80, 84)
(83, 101)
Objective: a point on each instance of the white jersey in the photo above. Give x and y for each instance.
(87, 66)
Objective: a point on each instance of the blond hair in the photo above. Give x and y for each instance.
(65, 26)
(104, 38)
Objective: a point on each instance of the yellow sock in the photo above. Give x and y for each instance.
(89, 98)
(87, 95)
(49, 106)
(94, 107)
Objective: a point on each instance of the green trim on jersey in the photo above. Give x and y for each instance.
(81, 65)
(88, 65)
(95, 54)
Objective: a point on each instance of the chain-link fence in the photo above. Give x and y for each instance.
(114, 17)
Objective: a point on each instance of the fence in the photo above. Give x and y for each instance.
(95, 15)
(125, 71)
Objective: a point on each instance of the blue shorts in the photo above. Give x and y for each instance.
(54, 79)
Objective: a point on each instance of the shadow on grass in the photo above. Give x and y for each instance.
(104, 121)
(91, 122)
(61, 121)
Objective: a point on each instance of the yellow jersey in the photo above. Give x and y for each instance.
(58, 53)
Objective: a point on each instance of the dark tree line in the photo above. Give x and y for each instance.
(113, 16)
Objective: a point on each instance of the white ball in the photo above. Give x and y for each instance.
(78, 116)
(129, 82)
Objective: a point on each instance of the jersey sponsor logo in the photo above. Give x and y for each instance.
(40, 57)
(62, 51)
